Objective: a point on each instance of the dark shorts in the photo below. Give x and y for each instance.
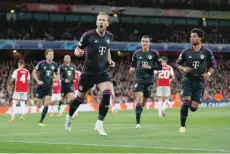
(195, 89)
(66, 88)
(43, 91)
(87, 81)
(144, 87)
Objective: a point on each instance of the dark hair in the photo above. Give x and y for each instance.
(48, 50)
(21, 62)
(164, 58)
(199, 32)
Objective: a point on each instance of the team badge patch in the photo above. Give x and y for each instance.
(201, 56)
(150, 56)
(108, 41)
(52, 67)
(80, 87)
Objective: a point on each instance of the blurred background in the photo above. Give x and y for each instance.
(28, 27)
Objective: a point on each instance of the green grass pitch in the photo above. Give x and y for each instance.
(208, 130)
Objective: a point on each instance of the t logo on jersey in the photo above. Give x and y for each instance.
(69, 73)
(48, 73)
(195, 64)
(102, 50)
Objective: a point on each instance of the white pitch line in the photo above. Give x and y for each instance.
(120, 146)
(62, 130)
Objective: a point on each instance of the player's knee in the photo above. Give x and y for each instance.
(186, 103)
(193, 109)
(106, 96)
(76, 101)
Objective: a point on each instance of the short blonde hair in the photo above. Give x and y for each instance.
(48, 50)
(104, 13)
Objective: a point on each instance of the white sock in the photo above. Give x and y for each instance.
(159, 107)
(69, 118)
(23, 107)
(13, 109)
(164, 106)
(99, 123)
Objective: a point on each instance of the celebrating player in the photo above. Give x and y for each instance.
(21, 76)
(144, 61)
(95, 71)
(194, 61)
(44, 73)
(165, 76)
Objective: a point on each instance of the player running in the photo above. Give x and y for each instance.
(165, 77)
(194, 61)
(67, 74)
(144, 61)
(44, 73)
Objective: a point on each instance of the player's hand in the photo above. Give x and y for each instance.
(78, 52)
(111, 63)
(206, 76)
(145, 66)
(67, 81)
(131, 70)
(187, 69)
(40, 83)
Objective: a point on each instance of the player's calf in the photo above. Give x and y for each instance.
(103, 110)
(184, 112)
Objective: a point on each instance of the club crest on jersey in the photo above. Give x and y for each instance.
(150, 56)
(80, 87)
(202, 56)
(108, 41)
(44, 67)
(52, 67)
(71, 68)
(65, 68)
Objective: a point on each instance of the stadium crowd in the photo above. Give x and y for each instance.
(42, 30)
(217, 88)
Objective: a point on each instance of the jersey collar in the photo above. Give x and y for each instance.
(199, 50)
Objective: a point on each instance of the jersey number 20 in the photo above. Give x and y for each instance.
(164, 74)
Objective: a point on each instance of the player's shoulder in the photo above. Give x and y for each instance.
(137, 51)
(26, 70)
(109, 33)
(170, 67)
(54, 63)
(206, 49)
(154, 51)
(186, 50)
(88, 33)
(72, 65)
(41, 62)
